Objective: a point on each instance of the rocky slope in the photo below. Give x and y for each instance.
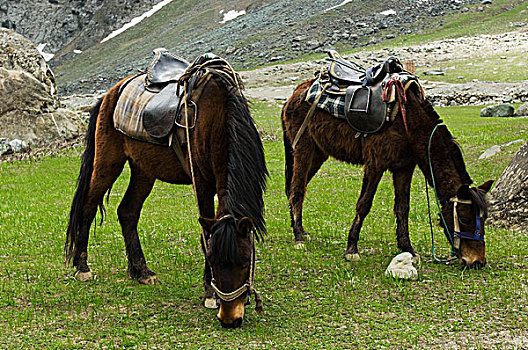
(269, 31)
(67, 25)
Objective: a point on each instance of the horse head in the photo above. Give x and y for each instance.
(465, 216)
(230, 254)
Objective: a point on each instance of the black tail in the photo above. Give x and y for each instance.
(288, 157)
(83, 184)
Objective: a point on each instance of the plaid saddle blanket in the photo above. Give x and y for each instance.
(128, 114)
(333, 100)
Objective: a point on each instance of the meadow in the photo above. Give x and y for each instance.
(313, 298)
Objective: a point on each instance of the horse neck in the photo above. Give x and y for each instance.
(444, 156)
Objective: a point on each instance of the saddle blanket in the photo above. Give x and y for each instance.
(334, 102)
(128, 114)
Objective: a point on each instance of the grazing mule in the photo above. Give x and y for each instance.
(228, 160)
(398, 148)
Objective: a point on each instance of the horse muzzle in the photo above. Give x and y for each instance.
(231, 314)
(472, 263)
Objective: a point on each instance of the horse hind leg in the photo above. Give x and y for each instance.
(307, 162)
(128, 213)
(105, 173)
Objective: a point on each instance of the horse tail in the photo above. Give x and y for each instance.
(83, 184)
(288, 157)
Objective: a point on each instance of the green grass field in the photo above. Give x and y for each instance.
(313, 298)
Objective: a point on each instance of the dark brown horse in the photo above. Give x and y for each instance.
(393, 149)
(228, 160)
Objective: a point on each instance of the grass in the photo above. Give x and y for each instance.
(313, 298)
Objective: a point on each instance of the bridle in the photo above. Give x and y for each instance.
(248, 286)
(454, 238)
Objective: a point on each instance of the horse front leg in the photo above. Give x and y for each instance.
(402, 188)
(371, 179)
(128, 213)
(205, 196)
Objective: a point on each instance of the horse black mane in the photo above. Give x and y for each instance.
(246, 178)
(247, 172)
(454, 149)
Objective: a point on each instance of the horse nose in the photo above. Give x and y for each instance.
(475, 264)
(235, 324)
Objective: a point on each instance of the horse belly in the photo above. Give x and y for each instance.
(336, 138)
(159, 162)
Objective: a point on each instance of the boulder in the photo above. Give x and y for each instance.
(29, 103)
(522, 110)
(509, 198)
(500, 110)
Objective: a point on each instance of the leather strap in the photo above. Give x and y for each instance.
(309, 115)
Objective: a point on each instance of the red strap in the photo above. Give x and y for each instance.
(400, 93)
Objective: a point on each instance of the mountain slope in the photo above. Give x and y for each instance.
(269, 31)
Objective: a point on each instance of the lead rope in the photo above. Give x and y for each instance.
(437, 205)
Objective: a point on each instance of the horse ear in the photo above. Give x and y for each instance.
(244, 226)
(206, 223)
(485, 187)
(464, 192)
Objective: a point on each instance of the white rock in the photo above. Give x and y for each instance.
(401, 266)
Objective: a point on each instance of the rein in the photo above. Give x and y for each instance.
(437, 205)
(248, 286)
(454, 239)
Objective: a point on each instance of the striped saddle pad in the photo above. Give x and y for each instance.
(128, 114)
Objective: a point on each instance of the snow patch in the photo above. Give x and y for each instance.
(388, 13)
(136, 20)
(336, 6)
(231, 15)
(47, 56)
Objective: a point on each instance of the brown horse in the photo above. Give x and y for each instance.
(228, 160)
(394, 149)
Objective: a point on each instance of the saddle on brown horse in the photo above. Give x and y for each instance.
(365, 109)
(348, 91)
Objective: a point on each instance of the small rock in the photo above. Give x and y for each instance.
(401, 266)
(18, 145)
(5, 148)
(490, 152)
(230, 50)
(522, 110)
(434, 72)
(500, 110)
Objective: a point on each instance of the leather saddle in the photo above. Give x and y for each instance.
(162, 77)
(364, 109)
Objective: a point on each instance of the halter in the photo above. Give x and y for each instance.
(247, 286)
(477, 235)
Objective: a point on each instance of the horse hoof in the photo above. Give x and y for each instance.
(84, 276)
(352, 257)
(210, 303)
(299, 245)
(150, 280)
